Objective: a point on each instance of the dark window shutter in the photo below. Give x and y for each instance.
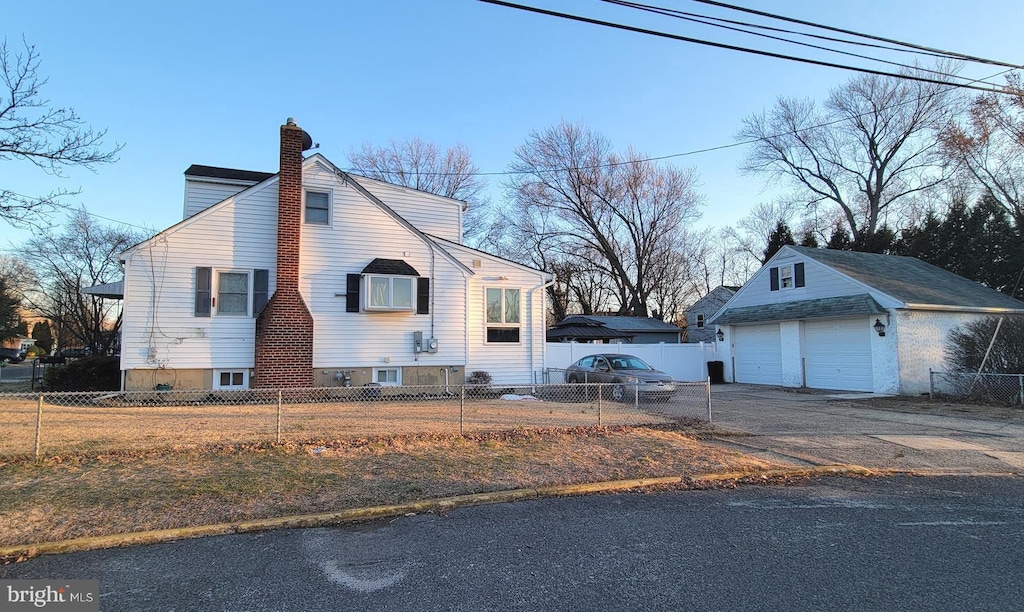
(260, 286)
(204, 277)
(774, 272)
(352, 293)
(422, 295)
(798, 275)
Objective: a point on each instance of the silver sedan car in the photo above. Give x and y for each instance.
(622, 371)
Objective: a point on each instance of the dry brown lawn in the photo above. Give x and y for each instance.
(99, 425)
(73, 495)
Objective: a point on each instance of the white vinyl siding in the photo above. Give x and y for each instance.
(159, 327)
(837, 354)
(507, 363)
(202, 194)
(431, 214)
(757, 351)
(361, 232)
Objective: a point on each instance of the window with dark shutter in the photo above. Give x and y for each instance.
(260, 287)
(204, 289)
(422, 295)
(774, 273)
(352, 293)
(798, 275)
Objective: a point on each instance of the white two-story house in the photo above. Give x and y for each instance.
(313, 276)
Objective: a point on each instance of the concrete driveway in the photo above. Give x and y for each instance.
(807, 427)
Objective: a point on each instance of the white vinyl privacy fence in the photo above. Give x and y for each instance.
(685, 362)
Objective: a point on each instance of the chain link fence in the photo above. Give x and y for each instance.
(1005, 389)
(51, 424)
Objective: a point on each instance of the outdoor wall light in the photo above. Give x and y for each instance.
(721, 335)
(879, 327)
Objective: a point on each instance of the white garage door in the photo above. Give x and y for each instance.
(758, 354)
(837, 354)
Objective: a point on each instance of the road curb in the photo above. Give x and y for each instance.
(157, 536)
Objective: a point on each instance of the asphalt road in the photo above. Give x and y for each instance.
(836, 544)
(16, 372)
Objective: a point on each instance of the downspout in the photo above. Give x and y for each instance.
(543, 318)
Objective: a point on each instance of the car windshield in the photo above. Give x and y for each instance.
(626, 362)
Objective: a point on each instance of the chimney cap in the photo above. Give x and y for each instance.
(290, 121)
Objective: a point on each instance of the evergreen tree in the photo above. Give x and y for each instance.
(840, 239)
(780, 237)
(43, 336)
(8, 312)
(809, 240)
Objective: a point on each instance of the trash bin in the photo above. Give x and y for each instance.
(716, 372)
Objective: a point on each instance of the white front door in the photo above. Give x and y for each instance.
(757, 354)
(837, 354)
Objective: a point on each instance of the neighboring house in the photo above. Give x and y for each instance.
(304, 277)
(849, 321)
(697, 316)
(606, 329)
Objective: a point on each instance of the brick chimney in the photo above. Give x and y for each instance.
(284, 330)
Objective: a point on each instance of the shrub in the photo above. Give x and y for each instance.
(99, 373)
(479, 377)
(968, 344)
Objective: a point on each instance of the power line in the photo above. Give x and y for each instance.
(699, 41)
(709, 21)
(845, 41)
(854, 33)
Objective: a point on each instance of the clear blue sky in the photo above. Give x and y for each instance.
(210, 82)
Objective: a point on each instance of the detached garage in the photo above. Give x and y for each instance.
(848, 321)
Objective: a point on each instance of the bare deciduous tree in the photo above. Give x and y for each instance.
(620, 215)
(83, 255)
(866, 151)
(989, 146)
(51, 138)
(422, 165)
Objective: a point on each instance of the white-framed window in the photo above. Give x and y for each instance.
(390, 293)
(786, 277)
(700, 320)
(231, 379)
(388, 377)
(503, 314)
(232, 293)
(318, 207)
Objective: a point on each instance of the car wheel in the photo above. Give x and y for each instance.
(618, 392)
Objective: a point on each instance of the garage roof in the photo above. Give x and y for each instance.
(911, 280)
(823, 308)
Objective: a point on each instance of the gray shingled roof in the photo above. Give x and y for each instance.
(823, 308)
(589, 332)
(911, 280)
(394, 267)
(623, 324)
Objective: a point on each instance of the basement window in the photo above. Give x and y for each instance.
(388, 377)
(230, 379)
